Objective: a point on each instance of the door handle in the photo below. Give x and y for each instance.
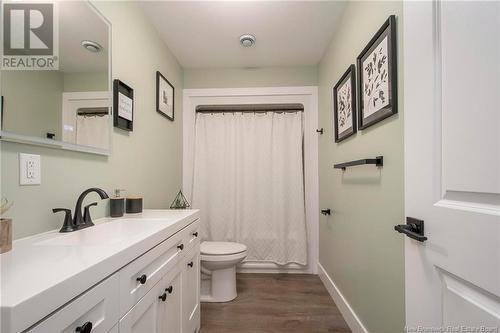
(414, 228)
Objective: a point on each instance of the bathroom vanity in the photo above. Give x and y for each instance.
(138, 273)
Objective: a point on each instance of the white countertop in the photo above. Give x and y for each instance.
(52, 268)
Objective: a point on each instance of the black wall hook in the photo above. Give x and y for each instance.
(320, 131)
(327, 211)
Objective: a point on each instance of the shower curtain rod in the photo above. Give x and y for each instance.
(250, 108)
(96, 111)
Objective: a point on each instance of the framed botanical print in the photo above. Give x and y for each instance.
(344, 105)
(377, 76)
(165, 95)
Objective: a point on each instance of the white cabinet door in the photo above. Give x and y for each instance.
(171, 308)
(191, 292)
(96, 309)
(452, 153)
(145, 317)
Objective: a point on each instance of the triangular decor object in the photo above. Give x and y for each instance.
(180, 202)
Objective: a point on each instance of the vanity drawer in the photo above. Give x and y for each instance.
(97, 307)
(191, 235)
(138, 277)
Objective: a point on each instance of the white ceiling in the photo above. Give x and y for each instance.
(77, 22)
(205, 34)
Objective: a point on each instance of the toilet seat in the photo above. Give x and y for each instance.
(221, 248)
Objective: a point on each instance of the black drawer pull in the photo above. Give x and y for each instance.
(190, 264)
(85, 328)
(195, 234)
(142, 279)
(163, 297)
(169, 289)
(180, 247)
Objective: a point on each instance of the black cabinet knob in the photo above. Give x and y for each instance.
(169, 289)
(163, 297)
(180, 247)
(85, 328)
(195, 234)
(190, 264)
(142, 279)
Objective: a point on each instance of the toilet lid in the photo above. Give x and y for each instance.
(221, 248)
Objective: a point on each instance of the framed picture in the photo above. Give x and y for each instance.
(344, 105)
(123, 106)
(165, 97)
(377, 76)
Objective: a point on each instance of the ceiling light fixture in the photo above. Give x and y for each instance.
(91, 46)
(247, 40)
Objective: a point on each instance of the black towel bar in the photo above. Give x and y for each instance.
(378, 161)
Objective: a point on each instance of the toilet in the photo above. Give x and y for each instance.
(218, 270)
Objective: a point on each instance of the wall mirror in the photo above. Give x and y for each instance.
(68, 108)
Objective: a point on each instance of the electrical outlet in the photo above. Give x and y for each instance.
(29, 169)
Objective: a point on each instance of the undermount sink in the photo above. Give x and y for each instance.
(104, 234)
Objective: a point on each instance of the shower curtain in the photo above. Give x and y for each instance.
(249, 183)
(93, 131)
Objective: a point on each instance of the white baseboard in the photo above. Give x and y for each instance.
(349, 315)
(272, 268)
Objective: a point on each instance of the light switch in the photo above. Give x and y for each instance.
(30, 172)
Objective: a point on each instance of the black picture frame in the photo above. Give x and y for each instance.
(159, 78)
(121, 88)
(350, 73)
(388, 29)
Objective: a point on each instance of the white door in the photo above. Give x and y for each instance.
(452, 153)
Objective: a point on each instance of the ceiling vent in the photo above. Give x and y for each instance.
(247, 40)
(91, 46)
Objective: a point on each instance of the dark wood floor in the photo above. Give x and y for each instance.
(292, 303)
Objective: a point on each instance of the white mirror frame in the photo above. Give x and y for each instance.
(31, 140)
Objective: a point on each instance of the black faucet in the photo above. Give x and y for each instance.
(80, 220)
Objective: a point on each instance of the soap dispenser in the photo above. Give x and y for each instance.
(117, 204)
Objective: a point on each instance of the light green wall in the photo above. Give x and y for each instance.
(250, 77)
(146, 161)
(85, 82)
(41, 112)
(32, 102)
(358, 246)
